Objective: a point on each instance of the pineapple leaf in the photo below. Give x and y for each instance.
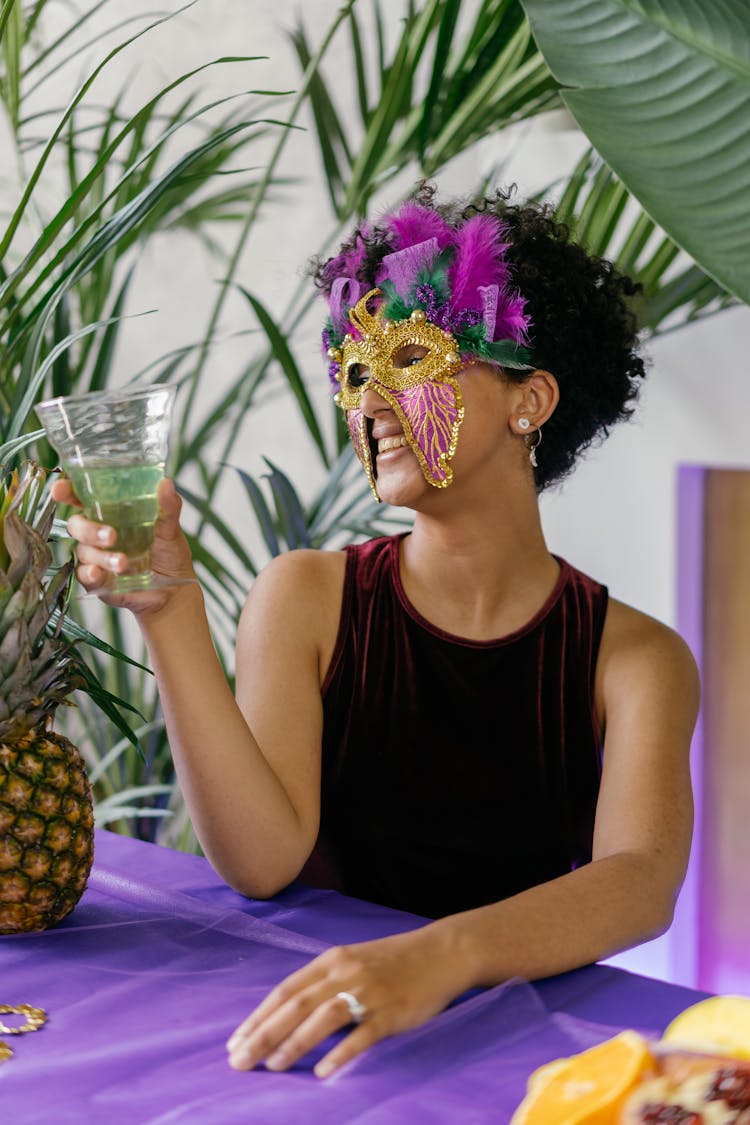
(28, 553)
(38, 663)
(73, 631)
(108, 703)
(9, 449)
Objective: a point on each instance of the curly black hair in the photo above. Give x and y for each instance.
(583, 322)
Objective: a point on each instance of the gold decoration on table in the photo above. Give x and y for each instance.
(35, 1018)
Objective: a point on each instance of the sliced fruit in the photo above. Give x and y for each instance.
(589, 1088)
(719, 1025)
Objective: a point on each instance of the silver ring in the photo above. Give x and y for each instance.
(357, 1010)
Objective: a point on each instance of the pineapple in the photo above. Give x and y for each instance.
(46, 809)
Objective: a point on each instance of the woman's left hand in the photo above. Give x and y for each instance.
(400, 981)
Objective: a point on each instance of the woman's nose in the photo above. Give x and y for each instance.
(371, 402)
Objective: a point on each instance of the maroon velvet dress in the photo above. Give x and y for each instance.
(455, 772)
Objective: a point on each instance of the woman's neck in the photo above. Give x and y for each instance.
(479, 572)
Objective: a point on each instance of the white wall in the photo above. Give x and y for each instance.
(617, 515)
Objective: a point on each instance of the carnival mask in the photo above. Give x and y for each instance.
(444, 289)
(425, 396)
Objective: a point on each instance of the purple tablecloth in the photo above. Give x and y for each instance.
(160, 961)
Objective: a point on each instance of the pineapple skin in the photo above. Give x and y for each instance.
(46, 830)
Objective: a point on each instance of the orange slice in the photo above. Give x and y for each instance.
(719, 1026)
(589, 1088)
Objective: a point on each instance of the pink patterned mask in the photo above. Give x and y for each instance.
(446, 287)
(425, 396)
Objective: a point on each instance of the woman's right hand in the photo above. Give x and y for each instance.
(100, 561)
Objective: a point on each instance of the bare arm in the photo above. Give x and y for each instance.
(648, 697)
(249, 768)
(647, 693)
(249, 771)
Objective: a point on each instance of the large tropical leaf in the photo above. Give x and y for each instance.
(603, 216)
(662, 90)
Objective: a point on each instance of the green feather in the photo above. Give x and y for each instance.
(436, 276)
(473, 337)
(505, 352)
(394, 306)
(335, 337)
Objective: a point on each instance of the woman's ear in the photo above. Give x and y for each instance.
(538, 396)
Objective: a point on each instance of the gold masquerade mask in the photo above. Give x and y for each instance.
(425, 396)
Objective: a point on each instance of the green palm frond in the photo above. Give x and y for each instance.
(481, 78)
(605, 218)
(282, 354)
(66, 277)
(342, 509)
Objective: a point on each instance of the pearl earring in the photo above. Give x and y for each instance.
(523, 423)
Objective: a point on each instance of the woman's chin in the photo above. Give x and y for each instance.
(398, 478)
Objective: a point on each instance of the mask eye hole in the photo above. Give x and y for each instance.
(357, 374)
(409, 355)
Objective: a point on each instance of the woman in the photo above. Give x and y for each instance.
(453, 721)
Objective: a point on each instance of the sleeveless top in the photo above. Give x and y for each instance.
(455, 772)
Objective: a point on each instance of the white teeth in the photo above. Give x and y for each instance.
(391, 443)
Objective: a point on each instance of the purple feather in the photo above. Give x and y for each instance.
(412, 224)
(345, 292)
(403, 266)
(478, 262)
(350, 262)
(479, 277)
(512, 322)
(355, 258)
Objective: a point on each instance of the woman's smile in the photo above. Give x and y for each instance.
(388, 444)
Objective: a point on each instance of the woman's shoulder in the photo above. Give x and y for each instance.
(627, 624)
(314, 574)
(636, 646)
(295, 601)
(302, 575)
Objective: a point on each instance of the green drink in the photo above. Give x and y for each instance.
(113, 446)
(124, 497)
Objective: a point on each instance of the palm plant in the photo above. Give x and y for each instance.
(65, 281)
(457, 72)
(65, 272)
(479, 80)
(598, 209)
(69, 286)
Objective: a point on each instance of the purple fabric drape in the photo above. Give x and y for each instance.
(146, 979)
